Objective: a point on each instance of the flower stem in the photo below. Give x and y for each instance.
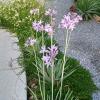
(64, 62)
(38, 75)
(52, 63)
(52, 80)
(43, 69)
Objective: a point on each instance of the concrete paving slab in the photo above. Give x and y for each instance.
(11, 87)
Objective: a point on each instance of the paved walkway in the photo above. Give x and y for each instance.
(11, 88)
(85, 41)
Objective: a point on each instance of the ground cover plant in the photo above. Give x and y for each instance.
(88, 8)
(50, 73)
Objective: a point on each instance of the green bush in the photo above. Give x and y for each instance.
(88, 8)
(17, 19)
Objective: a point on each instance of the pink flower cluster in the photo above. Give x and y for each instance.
(70, 20)
(49, 54)
(34, 11)
(50, 12)
(48, 28)
(30, 42)
(38, 26)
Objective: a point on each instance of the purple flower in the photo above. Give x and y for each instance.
(49, 54)
(37, 26)
(53, 51)
(47, 60)
(43, 49)
(48, 28)
(50, 12)
(30, 42)
(70, 20)
(34, 11)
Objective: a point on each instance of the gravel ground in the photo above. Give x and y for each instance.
(84, 41)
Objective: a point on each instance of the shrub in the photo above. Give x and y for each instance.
(88, 8)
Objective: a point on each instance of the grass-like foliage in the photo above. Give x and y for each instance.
(62, 78)
(88, 8)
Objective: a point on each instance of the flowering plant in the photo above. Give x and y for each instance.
(50, 69)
